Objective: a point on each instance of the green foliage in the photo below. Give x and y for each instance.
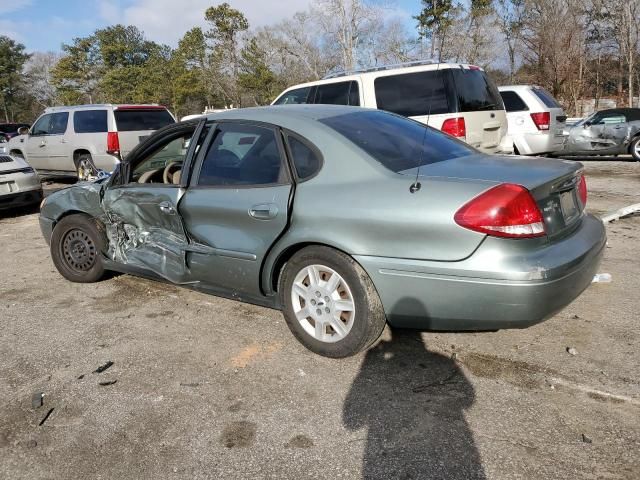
(12, 60)
(226, 23)
(434, 16)
(255, 76)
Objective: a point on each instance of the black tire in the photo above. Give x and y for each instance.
(634, 149)
(85, 166)
(368, 320)
(76, 249)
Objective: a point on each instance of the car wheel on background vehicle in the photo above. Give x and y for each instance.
(634, 149)
(76, 246)
(17, 154)
(84, 167)
(330, 303)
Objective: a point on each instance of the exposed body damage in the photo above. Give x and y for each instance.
(609, 132)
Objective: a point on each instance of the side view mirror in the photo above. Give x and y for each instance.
(23, 131)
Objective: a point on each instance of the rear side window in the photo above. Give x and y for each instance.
(475, 91)
(139, 119)
(413, 94)
(546, 97)
(297, 96)
(338, 94)
(90, 121)
(398, 143)
(305, 160)
(513, 102)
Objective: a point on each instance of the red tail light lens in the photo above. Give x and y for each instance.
(113, 143)
(582, 190)
(455, 127)
(506, 210)
(542, 120)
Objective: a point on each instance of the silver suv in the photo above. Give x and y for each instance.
(83, 139)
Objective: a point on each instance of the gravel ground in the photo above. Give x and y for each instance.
(211, 388)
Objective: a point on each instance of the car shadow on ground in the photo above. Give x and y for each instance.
(411, 402)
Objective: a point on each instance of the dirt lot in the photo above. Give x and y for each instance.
(211, 388)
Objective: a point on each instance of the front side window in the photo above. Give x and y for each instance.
(475, 91)
(294, 97)
(165, 163)
(607, 118)
(413, 94)
(90, 121)
(242, 155)
(42, 125)
(513, 102)
(398, 143)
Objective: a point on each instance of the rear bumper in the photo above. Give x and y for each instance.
(538, 143)
(21, 198)
(504, 284)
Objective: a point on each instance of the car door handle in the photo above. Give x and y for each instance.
(63, 141)
(265, 211)
(167, 208)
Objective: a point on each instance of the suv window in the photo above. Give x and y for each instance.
(90, 121)
(546, 97)
(305, 160)
(513, 102)
(338, 94)
(51, 124)
(242, 155)
(412, 94)
(299, 95)
(139, 119)
(396, 142)
(475, 91)
(41, 127)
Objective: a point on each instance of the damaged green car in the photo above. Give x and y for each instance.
(343, 218)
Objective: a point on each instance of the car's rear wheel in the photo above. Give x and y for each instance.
(85, 169)
(76, 246)
(330, 303)
(634, 149)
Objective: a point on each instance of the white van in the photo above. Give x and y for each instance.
(458, 99)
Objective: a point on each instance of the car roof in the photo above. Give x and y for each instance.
(103, 105)
(285, 114)
(517, 87)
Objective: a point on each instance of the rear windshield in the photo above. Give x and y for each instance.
(413, 94)
(475, 91)
(134, 120)
(546, 97)
(396, 142)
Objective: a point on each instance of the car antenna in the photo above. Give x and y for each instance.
(416, 185)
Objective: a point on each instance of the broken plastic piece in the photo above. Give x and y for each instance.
(104, 367)
(602, 278)
(106, 384)
(623, 212)
(37, 399)
(46, 417)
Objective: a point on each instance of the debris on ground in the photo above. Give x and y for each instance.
(46, 417)
(107, 383)
(572, 351)
(602, 278)
(104, 367)
(586, 439)
(81, 377)
(621, 213)
(37, 400)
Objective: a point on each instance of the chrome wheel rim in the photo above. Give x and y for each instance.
(84, 170)
(636, 149)
(78, 250)
(323, 303)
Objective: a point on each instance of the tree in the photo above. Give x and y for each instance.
(12, 60)
(510, 15)
(255, 77)
(434, 21)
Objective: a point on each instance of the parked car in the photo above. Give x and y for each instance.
(342, 217)
(10, 130)
(460, 100)
(607, 132)
(536, 119)
(19, 183)
(3, 145)
(83, 139)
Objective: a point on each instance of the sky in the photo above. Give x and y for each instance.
(43, 25)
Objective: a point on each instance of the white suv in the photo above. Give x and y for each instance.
(460, 100)
(536, 119)
(83, 139)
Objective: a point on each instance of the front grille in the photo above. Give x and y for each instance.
(5, 159)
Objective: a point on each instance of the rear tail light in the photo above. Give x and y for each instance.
(582, 190)
(542, 120)
(113, 143)
(455, 127)
(506, 210)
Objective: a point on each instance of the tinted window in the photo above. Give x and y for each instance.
(546, 97)
(354, 95)
(412, 94)
(608, 118)
(305, 159)
(334, 93)
(397, 143)
(90, 121)
(513, 102)
(475, 91)
(296, 96)
(41, 127)
(242, 155)
(134, 120)
(59, 123)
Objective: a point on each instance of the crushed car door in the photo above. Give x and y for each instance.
(595, 134)
(236, 206)
(144, 227)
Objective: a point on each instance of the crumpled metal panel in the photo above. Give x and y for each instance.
(607, 138)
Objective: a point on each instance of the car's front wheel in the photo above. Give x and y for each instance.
(76, 246)
(330, 303)
(634, 149)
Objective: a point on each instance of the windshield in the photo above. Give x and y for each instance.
(138, 119)
(396, 142)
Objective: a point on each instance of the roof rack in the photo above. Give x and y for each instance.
(414, 63)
